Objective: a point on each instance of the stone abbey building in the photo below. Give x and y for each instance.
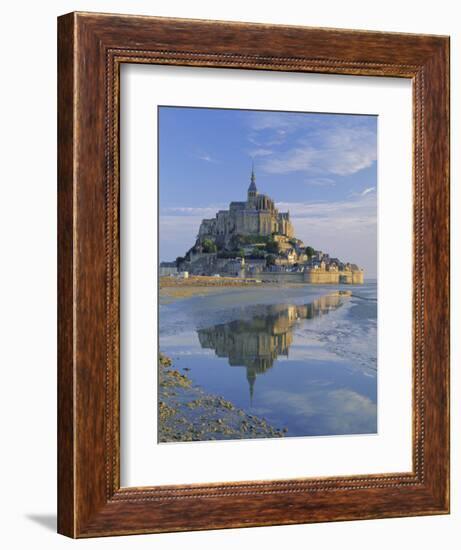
(252, 239)
(257, 216)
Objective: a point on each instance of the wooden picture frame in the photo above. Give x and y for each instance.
(91, 49)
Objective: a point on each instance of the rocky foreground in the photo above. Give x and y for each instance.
(187, 413)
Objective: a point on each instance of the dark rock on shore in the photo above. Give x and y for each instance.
(187, 413)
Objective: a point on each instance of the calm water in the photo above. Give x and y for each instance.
(304, 358)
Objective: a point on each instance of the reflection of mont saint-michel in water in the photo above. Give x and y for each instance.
(271, 369)
(257, 342)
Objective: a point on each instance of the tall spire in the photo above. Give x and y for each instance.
(252, 191)
(253, 179)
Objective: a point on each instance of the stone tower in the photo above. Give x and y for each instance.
(252, 191)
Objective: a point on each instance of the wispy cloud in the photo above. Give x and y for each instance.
(260, 152)
(281, 122)
(272, 129)
(338, 151)
(316, 146)
(342, 411)
(320, 182)
(207, 158)
(344, 228)
(178, 233)
(205, 211)
(367, 190)
(363, 207)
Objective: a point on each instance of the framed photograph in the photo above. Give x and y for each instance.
(253, 275)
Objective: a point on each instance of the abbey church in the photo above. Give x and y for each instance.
(257, 216)
(252, 239)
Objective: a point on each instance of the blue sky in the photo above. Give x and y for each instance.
(320, 167)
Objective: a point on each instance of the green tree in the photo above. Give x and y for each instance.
(270, 260)
(309, 251)
(179, 261)
(209, 246)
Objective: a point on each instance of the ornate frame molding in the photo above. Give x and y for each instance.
(91, 49)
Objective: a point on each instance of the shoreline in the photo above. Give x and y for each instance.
(172, 289)
(188, 413)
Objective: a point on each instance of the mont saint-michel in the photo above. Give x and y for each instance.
(253, 239)
(266, 289)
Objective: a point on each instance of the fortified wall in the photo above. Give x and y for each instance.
(314, 276)
(323, 277)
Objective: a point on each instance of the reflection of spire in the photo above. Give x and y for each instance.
(251, 377)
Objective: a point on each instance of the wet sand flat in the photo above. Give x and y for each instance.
(172, 288)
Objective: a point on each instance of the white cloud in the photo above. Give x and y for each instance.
(338, 151)
(177, 235)
(357, 208)
(367, 190)
(342, 411)
(179, 228)
(280, 122)
(295, 160)
(320, 182)
(207, 158)
(346, 229)
(253, 138)
(270, 129)
(204, 211)
(260, 152)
